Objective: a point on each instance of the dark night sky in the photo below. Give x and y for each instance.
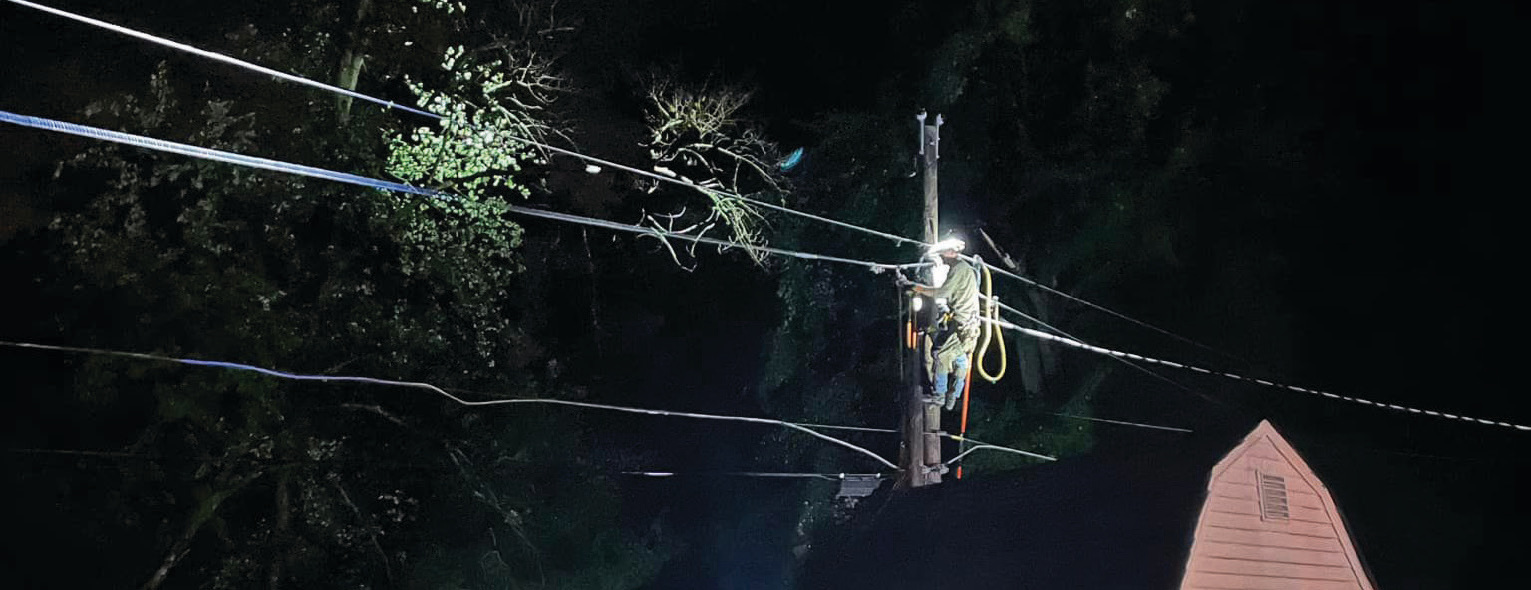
(1396, 267)
(1394, 278)
(1395, 271)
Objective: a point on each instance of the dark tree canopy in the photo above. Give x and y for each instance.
(1295, 184)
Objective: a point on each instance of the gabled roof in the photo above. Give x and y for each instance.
(1299, 534)
(1101, 521)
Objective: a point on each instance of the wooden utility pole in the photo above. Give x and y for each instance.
(922, 421)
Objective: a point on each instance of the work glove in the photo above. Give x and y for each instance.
(902, 282)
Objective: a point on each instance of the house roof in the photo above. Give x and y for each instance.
(1100, 521)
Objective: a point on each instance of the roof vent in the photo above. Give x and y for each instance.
(1273, 505)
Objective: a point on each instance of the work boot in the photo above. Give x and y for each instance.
(951, 403)
(934, 400)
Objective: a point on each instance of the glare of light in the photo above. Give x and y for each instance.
(917, 302)
(944, 245)
(592, 168)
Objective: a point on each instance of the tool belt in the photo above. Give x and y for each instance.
(950, 325)
(950, 321)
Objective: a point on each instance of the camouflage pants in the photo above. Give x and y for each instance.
(951, 351)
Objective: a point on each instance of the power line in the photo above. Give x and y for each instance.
(1058, 414)
(759, 474)
(1106, 351)
(805, 428)
(1068, 416)
(385, 185)
(650, 174)
(983, 447)
(975, 260)
(218, 57)
(1099, 307)
(440, 391)
(655, 474)
(692, 185)
(394, 105)
(1117, 422)
(945, 435)
(347, 178)
(1130, 364)
(275, 165)
(980, 445)
(851, 428)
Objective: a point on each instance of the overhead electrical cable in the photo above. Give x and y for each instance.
(313, 172)
(1045, 288)
(1128, 355)
(394, 105)
(647, 173)
(218, 57)
(77, 453)
(286, 167)
(971, 440)
(1118, 422)
(693, 185)
(805, 428)
(1100, 308)
(957, 437)
(980, 445)
(947, 435)
(397, 187)
(442, 392)
(1129, 363)
(977, 447)
(851, 428)
(760, 474)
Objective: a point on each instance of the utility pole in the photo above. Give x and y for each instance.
(922, 421)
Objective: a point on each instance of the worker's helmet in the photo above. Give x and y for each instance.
(946, 245)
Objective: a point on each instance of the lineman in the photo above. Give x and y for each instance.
(954, 343)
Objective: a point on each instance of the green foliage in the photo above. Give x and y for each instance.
(474, 150)
(447, 6)
(184, 257)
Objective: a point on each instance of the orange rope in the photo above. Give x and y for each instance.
(967, 386)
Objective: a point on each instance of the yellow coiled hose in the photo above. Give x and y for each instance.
(991, 329)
